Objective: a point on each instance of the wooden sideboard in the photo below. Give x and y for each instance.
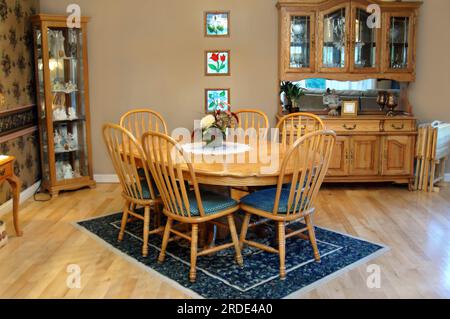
(372, 148)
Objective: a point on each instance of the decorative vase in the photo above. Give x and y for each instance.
(214, 137)
(391, 104)
(295, 107)
(3, 234)
(381, 99)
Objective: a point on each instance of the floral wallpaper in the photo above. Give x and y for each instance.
(17, 90)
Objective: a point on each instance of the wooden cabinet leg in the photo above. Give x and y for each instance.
(54, 194)
(16, 185)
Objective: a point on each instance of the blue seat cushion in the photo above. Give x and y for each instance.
(146, 190)
(212, 203)
(265, 200)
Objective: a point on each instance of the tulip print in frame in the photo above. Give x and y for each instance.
(217, 99)
(217, 24)
(217, 63)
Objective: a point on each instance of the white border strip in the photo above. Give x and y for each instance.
(25, 195)
(106, 178)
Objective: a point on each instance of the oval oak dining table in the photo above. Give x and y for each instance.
(260, 166)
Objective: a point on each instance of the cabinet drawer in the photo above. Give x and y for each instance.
(399, 126)
(353, 126)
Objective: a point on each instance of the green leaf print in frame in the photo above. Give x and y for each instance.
(217, 24)
(217, 99)
(217, 63)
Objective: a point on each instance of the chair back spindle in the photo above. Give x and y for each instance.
(126, 153)
(296, 125)
(308, 158)
(170, 166)
(255, 119)
(143, 120)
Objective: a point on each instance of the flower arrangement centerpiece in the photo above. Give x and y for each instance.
(214, 126)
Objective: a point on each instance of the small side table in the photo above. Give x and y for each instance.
(7, 174)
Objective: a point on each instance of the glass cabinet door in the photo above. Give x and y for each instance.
(67, 108)
(399, 42)
(365, 49)
(42, 117)
(301, 42)
(335, 40)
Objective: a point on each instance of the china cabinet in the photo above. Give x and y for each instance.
(63, 103)
(400, 45)
(333, 39)
(298, 49)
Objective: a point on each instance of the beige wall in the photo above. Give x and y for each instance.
(149, 53)
(429, 92)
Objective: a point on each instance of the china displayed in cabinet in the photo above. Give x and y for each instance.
(340, 39)
(63, 103)
(298, 47)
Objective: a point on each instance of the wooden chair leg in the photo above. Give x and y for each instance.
(433, 172)
(244, 229)
(235, 239)
(146, 230)
(162, 254)
(123, 225)
(312, 237)
(194, 243)
(282, 249)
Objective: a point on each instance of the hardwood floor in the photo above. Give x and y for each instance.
(415, 225)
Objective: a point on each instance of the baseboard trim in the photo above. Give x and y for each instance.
(106, 179)
(25, 195)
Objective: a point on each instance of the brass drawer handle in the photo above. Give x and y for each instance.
(350, 128)
(2, 172)
(396, 127)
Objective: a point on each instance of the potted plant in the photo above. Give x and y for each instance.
(292, 93)
(285, 100)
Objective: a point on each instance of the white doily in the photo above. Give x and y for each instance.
(225, 149)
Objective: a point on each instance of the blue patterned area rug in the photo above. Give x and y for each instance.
(219, 277)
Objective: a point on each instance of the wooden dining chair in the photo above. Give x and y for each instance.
(295, 125)
(129, 163)
(249, 118)
(140, 121)
(305, 163)
(170, 167)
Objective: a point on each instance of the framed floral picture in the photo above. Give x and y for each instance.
(217, 63)
(217, 99)
(217, 24)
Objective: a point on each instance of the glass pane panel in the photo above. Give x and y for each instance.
(69, 114)
(399, 42)
(300, 48)
(334, 39)
(365, 41)
(41, 102)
